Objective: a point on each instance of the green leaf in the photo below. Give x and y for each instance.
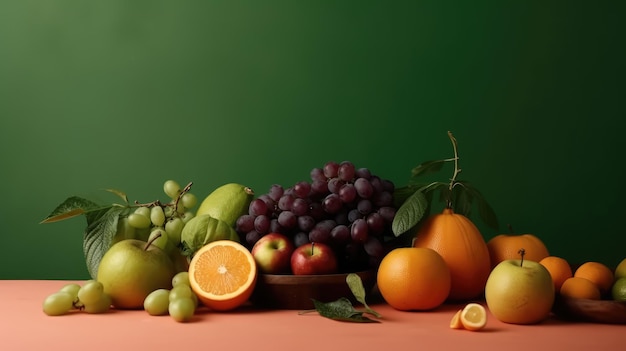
(427, 167)
(72, 206)
(101, 227)
(356, 286)
(409, 213)
(341, 310)
(468, 194)
(462, 199)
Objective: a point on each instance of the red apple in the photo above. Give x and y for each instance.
(272, 253)
(313, 258)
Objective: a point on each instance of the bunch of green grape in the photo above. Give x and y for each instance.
(180, 302)
(90, 298)
(162, 221)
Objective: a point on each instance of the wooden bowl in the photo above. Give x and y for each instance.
(585, 310)
(294, 292)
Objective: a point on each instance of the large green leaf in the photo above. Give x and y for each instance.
(101, 227)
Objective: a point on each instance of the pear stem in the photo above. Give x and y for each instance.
(457, 170)
(158, 235)
(521, 252)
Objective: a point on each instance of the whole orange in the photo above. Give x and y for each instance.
(506, 247)
(580, 288)
(598, 273)
(411, 278)
(463, 247)
(560, 270)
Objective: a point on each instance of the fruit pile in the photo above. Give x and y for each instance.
(345, 208)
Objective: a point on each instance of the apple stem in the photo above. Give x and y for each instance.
(312, 246)
(521, 252)
(158, 235)
(510, 228)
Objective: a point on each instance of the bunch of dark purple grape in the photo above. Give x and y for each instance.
(347, 208)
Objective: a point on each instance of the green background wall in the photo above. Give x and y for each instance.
(127, 94)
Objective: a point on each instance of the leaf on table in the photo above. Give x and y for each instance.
(72, 206)
(101, 228)
(356, 286)
(341, 310)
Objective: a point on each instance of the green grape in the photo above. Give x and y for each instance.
(171, 188)
(187, 216)
(157, 302)
(142, 210)
(182, 309)
(90, 292)
(180, 278)
(189, 200)
(159, 235)
(72, 289)
(58, 303)
(157, 216)
(169, 211)
(174, 228)
(101, 306)
(139, 220)
(180, 291)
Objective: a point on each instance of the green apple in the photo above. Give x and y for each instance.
(131, 269)
(519, 291)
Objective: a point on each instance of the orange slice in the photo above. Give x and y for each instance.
(473, 316)
(455, 322)
(223, 275)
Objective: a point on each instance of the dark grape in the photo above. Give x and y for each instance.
(359, 231)
(300, 207)
(340, 234)
(257, 207)
(245, 223)
(275, 227)
(319, 187)
(287, 219)
(332, 203)
(262, 224)
(300, 238)
(363, 188)
(318, 174)
(319, 234)
(364, 206)
(252, 237)
(346, 171)
(330, 169)
(276, 192)
(334, 185)
(306, 223)
(271, 204)
(375, 223)
(302, 189)
(285, 202)
(388, 186)
(363, 173)
(373, 247)
(347, 193)
(388, 213)
(353, 215)
(377, 184)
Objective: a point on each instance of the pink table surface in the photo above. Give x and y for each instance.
(23, 326)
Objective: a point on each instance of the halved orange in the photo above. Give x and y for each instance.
(473, 316)
(223, 275)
